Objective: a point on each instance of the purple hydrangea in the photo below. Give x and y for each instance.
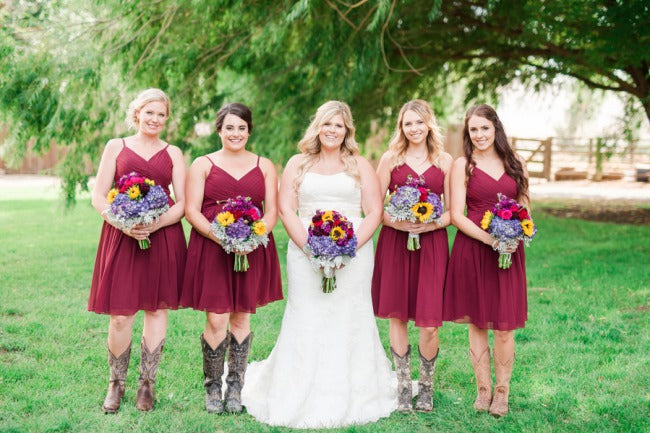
(405, 196)
(505, 230)
(127, 208)
(156, 197)
(238, 230)
(437, 205)
(324, 246)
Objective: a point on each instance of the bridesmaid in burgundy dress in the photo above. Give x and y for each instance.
(211, 285)
(127, 279)
(477, 292)
(408, 285)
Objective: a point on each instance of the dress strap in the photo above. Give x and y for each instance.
(258, 160)
(123, 143)
(210, 160)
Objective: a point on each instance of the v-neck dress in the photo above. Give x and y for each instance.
(477, 291)
(408, 285)
(211, 284)
(127, 279)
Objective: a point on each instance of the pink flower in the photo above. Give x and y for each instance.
(504, 214)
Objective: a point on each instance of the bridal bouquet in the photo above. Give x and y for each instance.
(331, 242)
(136, 200)
(414, 202)
(508, 222)
(240, 229)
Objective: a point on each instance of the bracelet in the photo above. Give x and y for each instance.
(495, 245)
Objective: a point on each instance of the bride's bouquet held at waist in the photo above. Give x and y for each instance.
(136, 200)
(414, 202)
(508, 222)
(331, 244)
(239, 227)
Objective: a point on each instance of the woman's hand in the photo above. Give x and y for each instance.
(138, 232)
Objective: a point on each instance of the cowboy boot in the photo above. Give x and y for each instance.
(502, 372)
(424, 402)
(148, 365)
(118, 367)
(212, 371)
(404, 386)
(483, 375)
(237, 363)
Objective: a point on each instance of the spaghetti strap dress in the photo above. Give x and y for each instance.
(477, 291)
(127, 279)
(210, 282)
(408, 285)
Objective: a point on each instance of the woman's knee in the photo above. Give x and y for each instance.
(429, 332)
(503, 337)
(240, 321)
(216, 322)
(121, 323)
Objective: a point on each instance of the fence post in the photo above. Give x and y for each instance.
(548, 143)
(598, 175)
(590, 150)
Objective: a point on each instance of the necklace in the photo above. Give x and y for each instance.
(416, 157)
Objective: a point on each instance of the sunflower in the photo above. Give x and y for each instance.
(111, 195)
(422, 211)
(528, 227)
(328, 216)
(337, 233)
(225, 218)
(259, 227)
(487, 219)
(134, 192)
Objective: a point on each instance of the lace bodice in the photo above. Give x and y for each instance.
(338, 192)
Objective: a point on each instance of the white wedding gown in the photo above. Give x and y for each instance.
(328, 367)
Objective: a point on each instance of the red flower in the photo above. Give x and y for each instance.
(423, 193)
(523, 214)
(514, 208)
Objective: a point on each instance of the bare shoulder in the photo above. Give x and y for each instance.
(294, 161)
(201, 164)
(174, 151)
(445, 160)
(363, 163)
(113, 146)
(266, 165)
(460, 163)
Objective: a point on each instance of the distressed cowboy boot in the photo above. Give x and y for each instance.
(404, 386)
(483, 375)
(148, 365)
(212, 371)
(237, 363)
(118, 367)
(502, 372)
(424, 402)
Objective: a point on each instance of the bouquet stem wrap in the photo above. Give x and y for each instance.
(241, 263)
(413, 242)
(144, 244)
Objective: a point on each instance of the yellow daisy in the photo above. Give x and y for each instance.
(225, 218)
(422, 211)
(528, 227)
(487, 219)
(337, 233)
(259, 228)
(133, 192)
(149, 182)
(112, 194)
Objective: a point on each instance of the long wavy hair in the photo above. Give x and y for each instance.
(310, 144)
(511, 163)
(398, 143)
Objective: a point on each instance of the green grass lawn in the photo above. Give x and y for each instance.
(582, 361)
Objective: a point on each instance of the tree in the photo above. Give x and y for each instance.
(285, 58)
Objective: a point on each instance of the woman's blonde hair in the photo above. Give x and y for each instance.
(145, 97)
(310, 144)
(398, 143)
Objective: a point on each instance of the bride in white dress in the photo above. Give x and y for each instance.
(328, 367)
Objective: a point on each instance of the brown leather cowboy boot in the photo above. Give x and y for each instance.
(404, 385)
(502, 372)
(483, 375)
(424, 402)
(212, 371)
(237, 363)
(148, 365)
(118, 367)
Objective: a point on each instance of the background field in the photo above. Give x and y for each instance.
(582, 360)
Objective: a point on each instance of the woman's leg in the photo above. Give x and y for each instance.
(428, 353)
(214, 344)
(504, 358)
(153, 341)
(401, 350)
(238, 349)
(119, 342)
(479, 352)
